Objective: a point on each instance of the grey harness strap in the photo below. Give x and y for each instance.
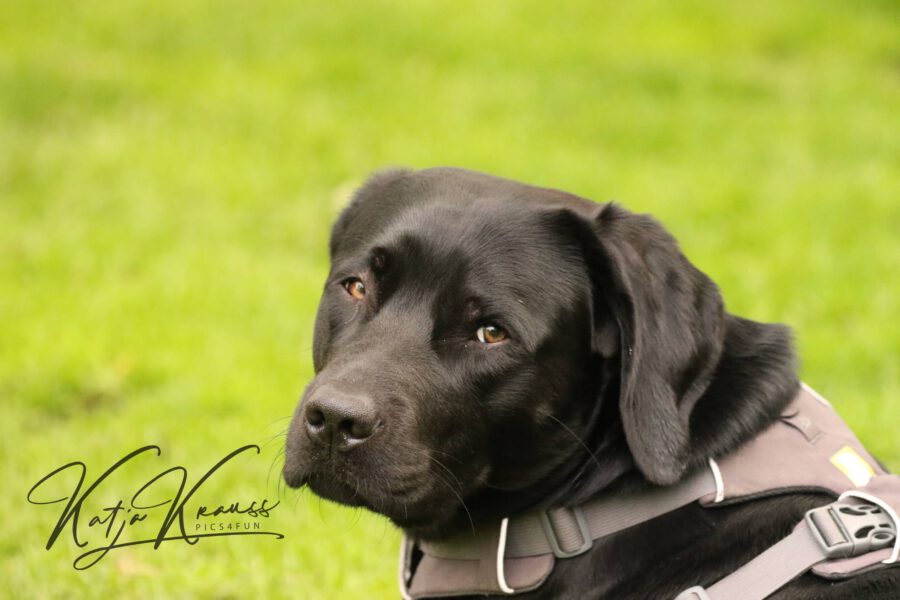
(766, 573)
(568, 532)
(857, 524)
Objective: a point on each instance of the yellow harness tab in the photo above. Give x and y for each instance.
(854, 466)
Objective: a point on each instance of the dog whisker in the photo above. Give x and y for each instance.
(280, 480)
(447, 454)
(278, 419)
(460, 498)
(578, 439)
(443, 466)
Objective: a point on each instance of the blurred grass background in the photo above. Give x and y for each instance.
(169, 171)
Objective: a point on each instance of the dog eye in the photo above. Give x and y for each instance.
(355, 287)
(490, 334)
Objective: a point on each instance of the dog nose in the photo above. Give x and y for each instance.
(340, 419)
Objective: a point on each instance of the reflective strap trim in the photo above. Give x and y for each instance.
(501, 551)
(815, 395)
(720, 485)
(694, 593)
(403, 573)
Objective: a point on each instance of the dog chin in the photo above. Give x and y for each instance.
(336, 491)
(425, 513)
(428, 518)
(422, 518)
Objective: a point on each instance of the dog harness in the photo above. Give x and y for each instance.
(808, 449)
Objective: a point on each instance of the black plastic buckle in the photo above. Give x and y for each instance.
(846, 530)
(584, 530)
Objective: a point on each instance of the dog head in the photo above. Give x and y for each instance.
(482, 346)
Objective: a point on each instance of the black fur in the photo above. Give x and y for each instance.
(622, 369)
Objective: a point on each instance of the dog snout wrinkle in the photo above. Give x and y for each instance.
(340, 420)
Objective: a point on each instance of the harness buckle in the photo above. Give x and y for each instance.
(584, 531)
(845, 530)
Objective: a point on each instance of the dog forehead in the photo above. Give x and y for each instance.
(487, 236)
(456, 200)
(491, 250)
(463, 184)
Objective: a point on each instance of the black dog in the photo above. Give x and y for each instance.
(484, 347)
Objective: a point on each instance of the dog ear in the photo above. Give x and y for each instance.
(671, 324)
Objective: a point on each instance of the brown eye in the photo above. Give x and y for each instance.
(356, 288)
(490, 334)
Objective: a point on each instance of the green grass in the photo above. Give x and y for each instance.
(169, 171)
